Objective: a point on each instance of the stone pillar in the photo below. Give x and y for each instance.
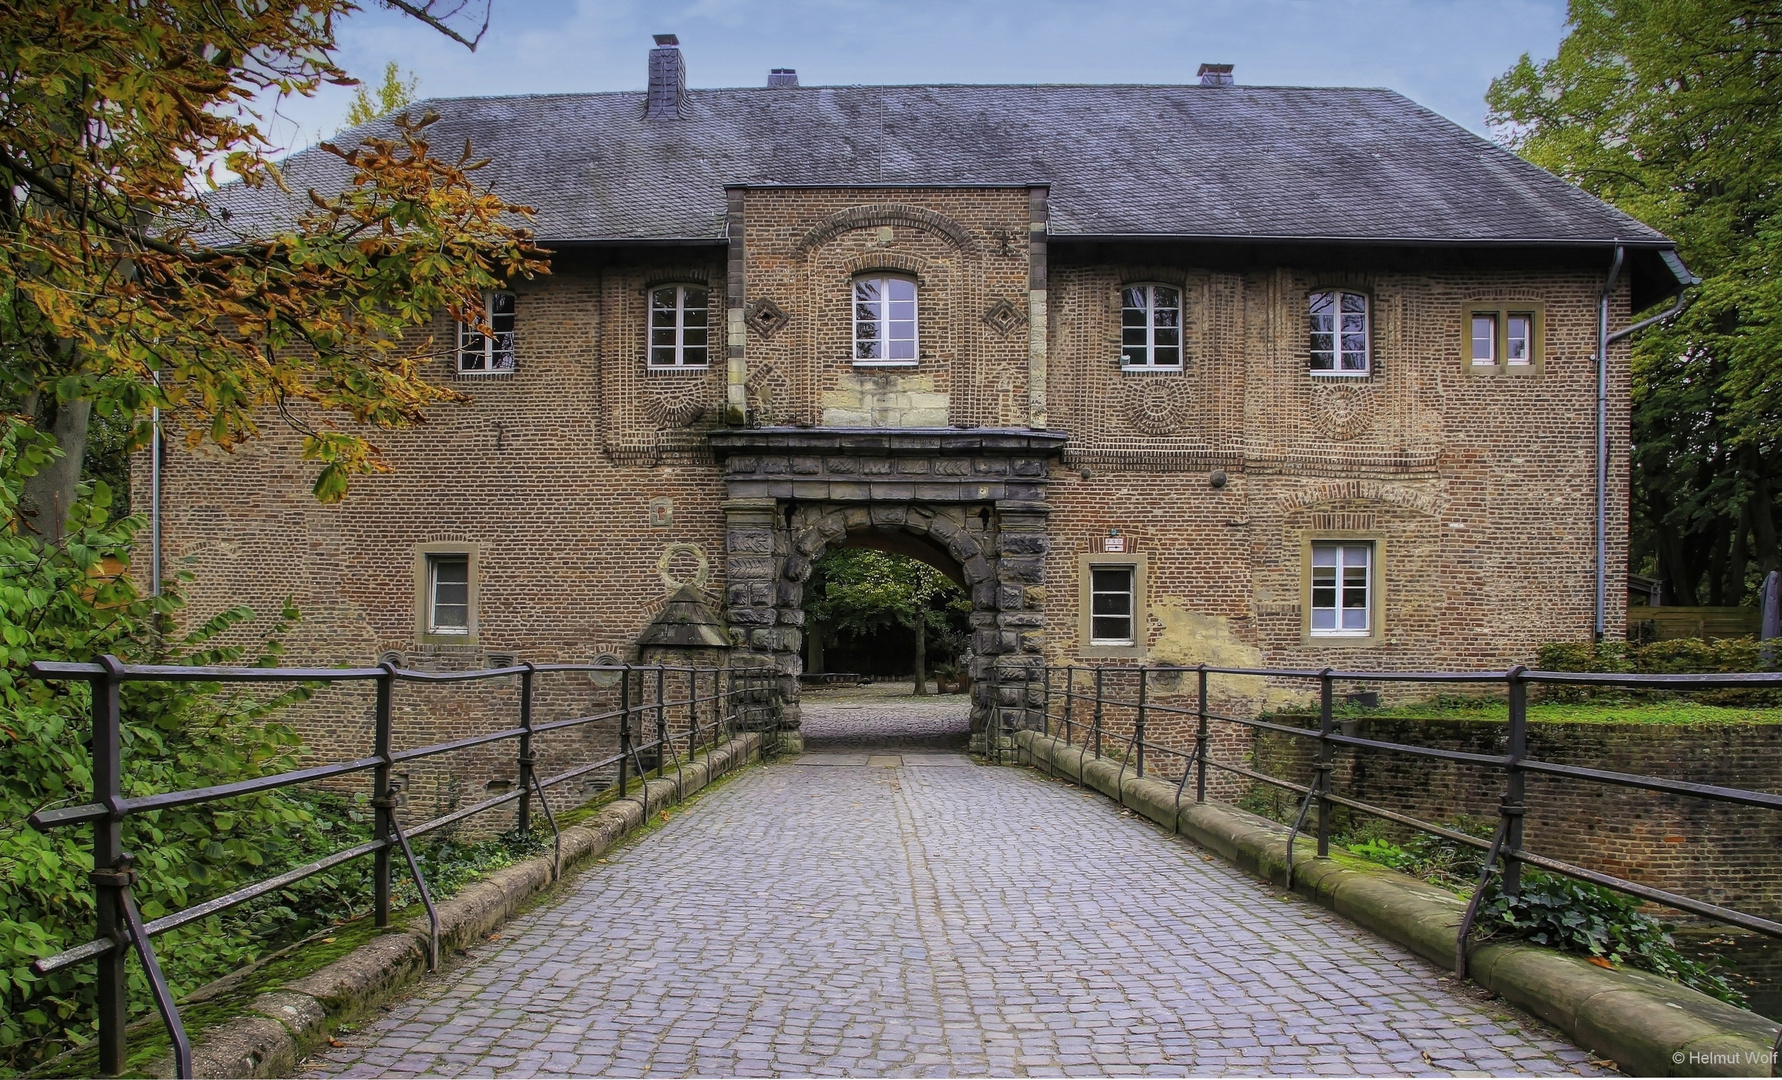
(1021, 547)
(756, 549)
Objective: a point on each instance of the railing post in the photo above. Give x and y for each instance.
(661, 723)
(624, 729)
(111, 867)
(524, 824)
(1200, 741)
(382, 801)
(1326, 761)
(1070, 695)
(1098, 674)
(1138, 730)
(1515, 780)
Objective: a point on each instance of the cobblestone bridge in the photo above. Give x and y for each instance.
(881, 905)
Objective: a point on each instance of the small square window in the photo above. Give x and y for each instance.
(489, 354)
(1501, 339)
(1110, 605)
(1342, 598)
(448, 594)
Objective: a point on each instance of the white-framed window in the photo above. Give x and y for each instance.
(1111, 605)
(489, 354)
(885, 320)
(448, 593)
(1150, 327)
(680, 326)
(1484, 340)
(1340, 333)
(1342, 588)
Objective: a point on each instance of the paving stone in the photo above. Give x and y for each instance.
(824, 917)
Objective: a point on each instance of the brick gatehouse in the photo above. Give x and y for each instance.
(1276, 375)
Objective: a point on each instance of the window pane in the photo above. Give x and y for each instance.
(1167, 300)
(694, 298)
(1324, 618)
(1133, 317)
(663, 297)
(1323, 304)
(1170, 357)
(867, 289)
(450, 597)
(694, 355)
(662, 335)
(1134, 336)
(1324, 555)
(1484, 339)
(501, 303)
(902, 349)
(1133, 296)
(1110, 579)
(661, 357)
(1110, 603)
(1133, 355)
(1519, 340)
(662, 317)
(1354, 302)
(1110, 628)
(900, 289)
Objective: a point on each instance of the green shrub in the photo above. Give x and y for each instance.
(1681, 656)
(1583, 918)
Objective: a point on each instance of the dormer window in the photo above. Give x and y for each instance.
(1151, 328)
(493, 353)
(680, 326)
(884, 321)
(1340, 333)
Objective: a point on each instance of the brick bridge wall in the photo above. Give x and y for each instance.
(1726, 854)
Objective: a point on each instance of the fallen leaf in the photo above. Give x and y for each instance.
(335, 1042)
(328, 941)
(1600, 962)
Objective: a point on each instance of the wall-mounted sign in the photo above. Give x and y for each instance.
(1114, 544)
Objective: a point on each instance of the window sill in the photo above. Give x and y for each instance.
(1109, 651)
(1340, 374)
(1503, 369)
(885, 363)
(432, 638)
(508, 374)
(1150, 369)
(1347, 641)
(675, 369)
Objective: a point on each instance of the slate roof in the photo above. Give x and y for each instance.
(1190, 161)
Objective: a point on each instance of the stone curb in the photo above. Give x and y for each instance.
(1647, 1025)
(284, 1024)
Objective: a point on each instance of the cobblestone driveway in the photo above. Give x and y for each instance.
(833, 917)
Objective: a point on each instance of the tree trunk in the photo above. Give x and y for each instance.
(47, 498)
(1763, 518)
(921, 655)
(814, 635)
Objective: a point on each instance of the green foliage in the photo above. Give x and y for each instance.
(1681, 656)
(858, 592)
(1436, 859)
(72, 601)
(393, 93)
(1583, 918)
(1672, 111)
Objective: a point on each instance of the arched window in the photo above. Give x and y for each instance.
(1340, 333)
(884, 320)
(1151, 327)
(679, 326)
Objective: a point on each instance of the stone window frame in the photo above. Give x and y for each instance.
(493, 349)
(1377, 562)
(424, 555)
(1150, 367)
(680, 285)
(1337, 372)
(1501, 311)
(1140, 608)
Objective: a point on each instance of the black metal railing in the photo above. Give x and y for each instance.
(1078, 707)
(705, 714)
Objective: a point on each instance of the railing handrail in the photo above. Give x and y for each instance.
(121, 926)
(1508, 845)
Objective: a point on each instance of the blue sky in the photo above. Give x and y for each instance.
(1441, 53)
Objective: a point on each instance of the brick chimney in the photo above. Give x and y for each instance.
(668, 80)
(783, 77)
(1216, 75)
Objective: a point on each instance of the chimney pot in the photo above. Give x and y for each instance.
(1216, 75)
(782, 77)
(668, 80)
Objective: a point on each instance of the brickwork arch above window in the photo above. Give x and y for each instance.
(892, 262)
(881, 214)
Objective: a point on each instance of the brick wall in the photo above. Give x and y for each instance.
(1725, 854)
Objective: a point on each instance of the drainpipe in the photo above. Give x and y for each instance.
(1605, 339)
(155, 497)
(1602, 438)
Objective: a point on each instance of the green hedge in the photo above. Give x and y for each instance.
(1679, 656)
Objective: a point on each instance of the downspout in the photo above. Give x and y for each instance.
(1602, 439)
(155, 497)
(1604, 340)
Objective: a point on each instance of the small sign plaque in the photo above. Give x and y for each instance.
(1114, 544)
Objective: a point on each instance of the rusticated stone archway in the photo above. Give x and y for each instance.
(974, 498)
